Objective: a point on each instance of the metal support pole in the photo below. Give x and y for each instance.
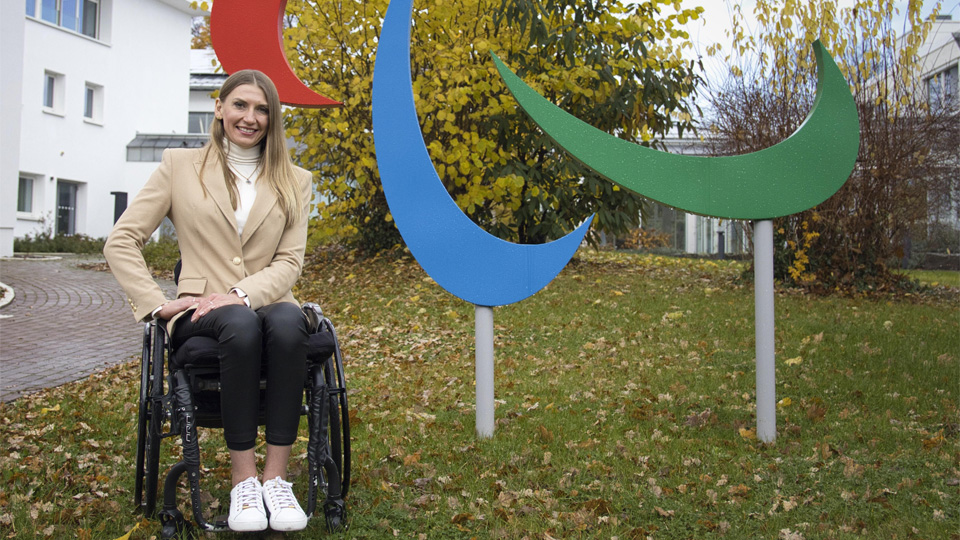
(763, 298)
(483, 331)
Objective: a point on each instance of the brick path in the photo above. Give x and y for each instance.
(64, 324)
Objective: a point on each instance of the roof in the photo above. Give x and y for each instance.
(205, 81)
(168, 140)
(185, 6)
(204, 61)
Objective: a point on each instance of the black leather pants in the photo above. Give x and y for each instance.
(273, 338)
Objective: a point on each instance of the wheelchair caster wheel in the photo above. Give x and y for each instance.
(172, 525)
(336, 514)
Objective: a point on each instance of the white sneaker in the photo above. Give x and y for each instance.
(282, 506)
(246, 507)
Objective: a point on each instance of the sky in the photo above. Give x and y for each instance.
(709, 29)
(715, 19)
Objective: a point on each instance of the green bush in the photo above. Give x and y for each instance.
(46, 242)
(161, 256)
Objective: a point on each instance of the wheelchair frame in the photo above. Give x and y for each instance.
(328, 449)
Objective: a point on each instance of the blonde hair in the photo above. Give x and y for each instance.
(276, 167)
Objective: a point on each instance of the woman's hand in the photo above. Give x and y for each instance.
(214, 301)
(173, 307)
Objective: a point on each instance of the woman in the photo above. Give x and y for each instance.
(240, 210)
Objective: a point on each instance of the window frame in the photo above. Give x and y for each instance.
(96, 18)
(52, 99)
(203, 120)
(93, 103)
(26, 196)
(943, 87)
(52, 12)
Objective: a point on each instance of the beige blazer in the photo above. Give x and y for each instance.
(264, 262)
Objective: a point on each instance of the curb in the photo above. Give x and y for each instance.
(8, 294)
(32, 258)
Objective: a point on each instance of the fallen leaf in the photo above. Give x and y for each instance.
(127, 536)
(664, 513)
(461, 518)
(46, 410)
(599, 507)
(934, 442)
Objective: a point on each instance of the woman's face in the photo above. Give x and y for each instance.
(245, 115)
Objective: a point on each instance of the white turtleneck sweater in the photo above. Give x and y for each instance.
(245, 164)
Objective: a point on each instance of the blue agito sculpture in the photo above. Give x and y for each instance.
(460, 256)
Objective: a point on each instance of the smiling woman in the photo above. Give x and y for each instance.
(239, 207)
(245, 116)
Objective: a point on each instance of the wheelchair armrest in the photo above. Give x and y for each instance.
(314, 316)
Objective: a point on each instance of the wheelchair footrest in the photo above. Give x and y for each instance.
(173, 525)
(335, 511)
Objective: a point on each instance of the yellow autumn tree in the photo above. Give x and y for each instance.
(909, 144)
(615, 66)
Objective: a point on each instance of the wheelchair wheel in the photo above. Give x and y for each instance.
(142, 417)
(339, 419)
(149, 420)
(340, 434)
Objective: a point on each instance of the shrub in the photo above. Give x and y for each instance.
(46, 242)
(161, 256)
(646, 239)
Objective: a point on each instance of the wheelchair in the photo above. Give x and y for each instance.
(191, 400)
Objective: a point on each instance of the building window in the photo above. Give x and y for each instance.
(942, 88)
(49, 87)
(25, 195)
(88, 102)
(69, 18)
(81, 16)
(53, 84)
(90, 18)
(200, 122)
(93, 102)
(49, 11)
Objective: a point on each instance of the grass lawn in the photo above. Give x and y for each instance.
(935, 278)
(625, 409)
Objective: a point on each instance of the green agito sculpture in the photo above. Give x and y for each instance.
(792, 176)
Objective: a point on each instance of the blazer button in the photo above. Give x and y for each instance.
(237, 261)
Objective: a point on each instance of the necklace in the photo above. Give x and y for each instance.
(246, 177)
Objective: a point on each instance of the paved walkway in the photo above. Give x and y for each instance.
(64, 324)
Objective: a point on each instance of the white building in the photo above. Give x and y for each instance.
(206, 76)
(940, 55)
(95, 73)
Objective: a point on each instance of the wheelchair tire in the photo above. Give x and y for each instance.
(339, 421)
(150, 420)
(152, 459)
(142, 415)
